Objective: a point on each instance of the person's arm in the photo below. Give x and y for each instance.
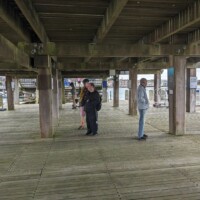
(141, 96)
(96, 99)
(83, 101)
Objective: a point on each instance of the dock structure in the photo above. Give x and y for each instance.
(113, 165)
(50, 40)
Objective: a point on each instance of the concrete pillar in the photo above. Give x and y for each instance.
(105, 92)
(116, 91)
(16, 91)
(55, 96)
(10, 97)
(191, 92)
(45, 95)
(179, 95)
(133, 92)
(63, 92)
(157, 85)
(60, 89)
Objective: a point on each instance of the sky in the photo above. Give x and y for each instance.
(151, 76)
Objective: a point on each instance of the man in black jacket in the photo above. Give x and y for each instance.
(91, 102)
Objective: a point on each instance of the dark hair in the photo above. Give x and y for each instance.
(92, 84)
(71, 84)
(85, 81)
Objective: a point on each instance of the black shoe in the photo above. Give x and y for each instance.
(95, 133)
(146, 136)
(88, 133)
(142, 139)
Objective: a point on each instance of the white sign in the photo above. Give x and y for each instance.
(112, 72)
(193, 82)
(129, 84)
(1, 101)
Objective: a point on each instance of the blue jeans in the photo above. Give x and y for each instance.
(142, 113)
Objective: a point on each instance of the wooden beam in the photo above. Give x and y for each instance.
(95, 66)
(148, 71)
(153, 65)
(9, 53)
(112, 13)
(19, 74)
(85, 74)
(183, 20)
(115, 50)
(32, 17)
(11, 66)
(9, 15)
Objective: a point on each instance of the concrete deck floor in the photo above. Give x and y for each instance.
(112, 165)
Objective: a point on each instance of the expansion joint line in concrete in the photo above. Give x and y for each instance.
(38, 183)
(108, 171)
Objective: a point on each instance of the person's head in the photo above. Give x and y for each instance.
(91, 87)
(143, 82)
(87, 85)
(85, 81)
(71, 84)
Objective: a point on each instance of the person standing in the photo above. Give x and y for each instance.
(143, 105)
(91, 102)
(82, 95)
(73, 93)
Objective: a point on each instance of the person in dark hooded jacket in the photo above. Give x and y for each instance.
(91, 102)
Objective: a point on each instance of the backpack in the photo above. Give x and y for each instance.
(98, 107)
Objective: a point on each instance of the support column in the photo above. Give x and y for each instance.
(55, 103)
(116, 91)
(133, 92)
(10, 98)
(191, 91)
(105, 92)
(63, 92)
(60, 89)
(157, 85)
(171, 94)
(16, 91)
(37, 94)
(179, 95)
(45, 95)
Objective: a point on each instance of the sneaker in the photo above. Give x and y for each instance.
(95, 133)
(142, 139)
(88, 133)
(146, 136)
(80, 127)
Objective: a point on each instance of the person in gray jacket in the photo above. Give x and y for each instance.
(143, 105)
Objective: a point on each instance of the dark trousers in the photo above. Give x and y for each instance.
(92, 121)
